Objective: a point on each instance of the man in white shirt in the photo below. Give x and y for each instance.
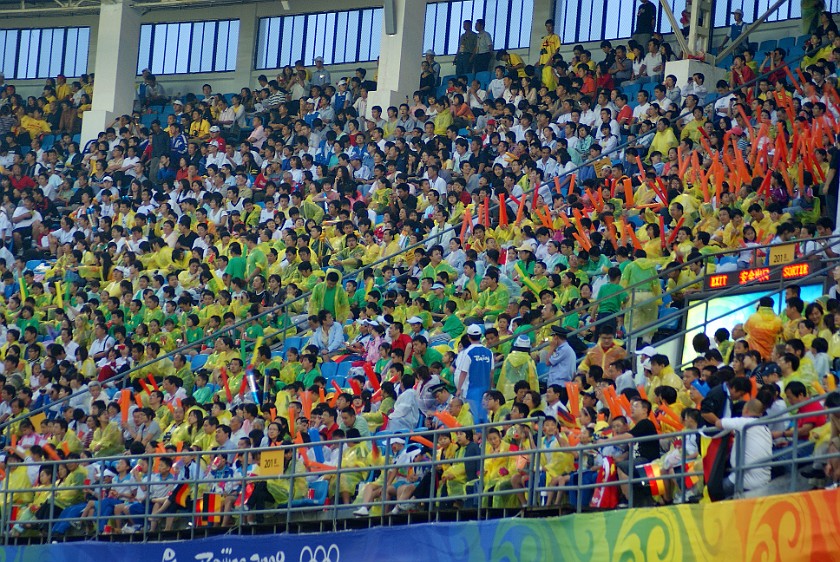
(640, 112)
(757, 446)
(660, 98)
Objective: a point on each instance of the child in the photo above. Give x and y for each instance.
(724, 344)
(672, 462)
(819, 357)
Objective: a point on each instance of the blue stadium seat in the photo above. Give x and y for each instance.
(786, 43)
(542, 369)
(340, 381)
(32, 264)
(765, 46)
(292, 342)
(343, 369)
(198, 362)
(147, 118)
(329, 370)
(725, 62)
(802, 39)
(77, 138)
(47, 142)
(484, 78)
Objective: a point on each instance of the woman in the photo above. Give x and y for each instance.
(107, 438)
(427, 80)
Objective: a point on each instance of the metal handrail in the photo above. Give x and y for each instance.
(533, 492)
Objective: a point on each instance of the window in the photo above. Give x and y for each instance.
(507, 21)
(44, 52)
(339, 37)
(189, 47)
(578, 21)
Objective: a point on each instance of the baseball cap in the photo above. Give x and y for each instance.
(491, 121)
(311, 100)
(415, 320)
(177, 102)
(437, 388)
(738, 11)
(648, 351)
(736, 130)
(214, 143)
(437, 286)
(214, 129)
(107, 178)
(429, 52)
(474, 330)
(342, 82)
(522, 342)
(319, 58)
(701, 386)
(397, 440)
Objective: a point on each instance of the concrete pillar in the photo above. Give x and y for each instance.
(117, 43)
(400, 56)
(542, 11)
(247, 14)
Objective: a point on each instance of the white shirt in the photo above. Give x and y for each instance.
(758, 447)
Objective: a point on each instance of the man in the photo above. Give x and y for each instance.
(662, 374)
(560, 358)
(330, 295)
(645, 22)
(483, 48)
(406, 411)
(473, 373)
(756, 444)
(349, 419)
(320, 76)
(722, 401)
(550, 44)
(795, 394)
(763, 327)
(644, 452)
(467, 43)
(605, 351)
(735, 30)
(329, 337)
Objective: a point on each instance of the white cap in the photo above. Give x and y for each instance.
(474, 330)
(311, 100)
(396, 440)
(429, 52)
(648, 351)
(381, 321)
(107, 178)
(646, 364)
(214, 129)
(437, 286)
(214, 143)
(523, 342)
(342, 82)
(108, 472)
(319, 58)
(177, 102)
(415, 320)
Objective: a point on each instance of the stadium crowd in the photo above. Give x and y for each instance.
(461, 258)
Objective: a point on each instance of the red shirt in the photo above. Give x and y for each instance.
(816, 419)
(401, 342)
(625, 115)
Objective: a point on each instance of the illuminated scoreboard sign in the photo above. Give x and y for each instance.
(756, 275)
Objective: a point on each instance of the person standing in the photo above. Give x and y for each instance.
(645, 22)
(467, 44)
(483, 49)
(550, 44)
(735, 30)
(474, 372)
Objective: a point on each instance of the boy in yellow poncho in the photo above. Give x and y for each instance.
(518, 366)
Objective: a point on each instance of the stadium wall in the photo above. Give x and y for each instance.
(788, 527)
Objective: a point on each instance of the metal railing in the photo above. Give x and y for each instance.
(481, 499)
